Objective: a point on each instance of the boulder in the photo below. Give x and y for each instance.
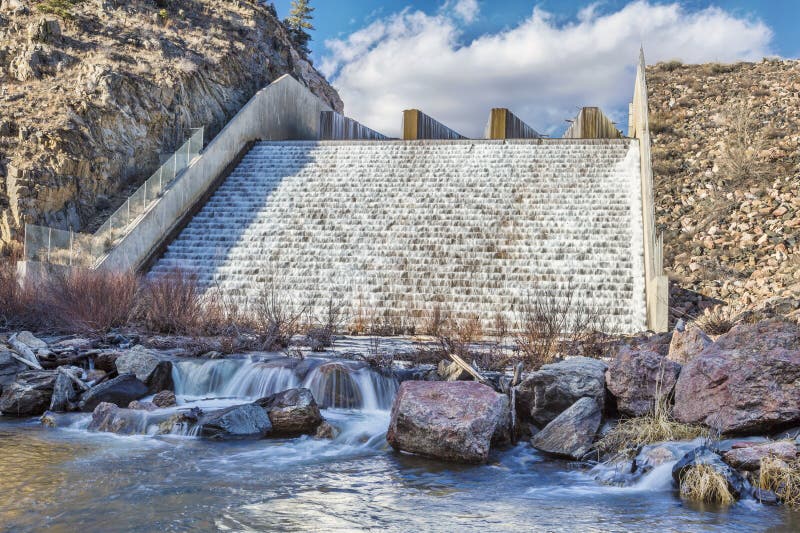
(9, 368)
(747, 456)
(654, 455)
(105, 361)
(165, 398)
(30, 394)
(64, 393)
(639, 378)
(747, 382)
(545, 394)
(249, 421)
(326, 431)
(453, 421)
(571, 433)
(28, 339)
(121, 391)
(687, 343)
(292, 412)
(334, 386)
(136, 405)
(147, 367)
(704, 455)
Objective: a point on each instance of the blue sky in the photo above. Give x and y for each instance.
(336, 18)
(456, 59)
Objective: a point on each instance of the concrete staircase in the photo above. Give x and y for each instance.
(395, 228)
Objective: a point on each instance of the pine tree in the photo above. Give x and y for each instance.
(298, 23)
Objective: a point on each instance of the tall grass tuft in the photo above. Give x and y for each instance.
(703, 483)
(782, 478)
(630, 434)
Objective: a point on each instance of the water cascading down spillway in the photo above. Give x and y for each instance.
(394, 229)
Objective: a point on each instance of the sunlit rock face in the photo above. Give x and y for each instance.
(397, 229)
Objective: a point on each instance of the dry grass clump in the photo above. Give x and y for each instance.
(630, 434)
(716, 321)
(276, 319)
(89, 301)
(703, 483)
(782, 478)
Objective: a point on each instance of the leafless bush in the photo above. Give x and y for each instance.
(378, 358)
(739, 159)
(276, 319)
(90, 301)
(172, 303)
(552, 321)
(716, 321)
(321, 330)
(435, 321)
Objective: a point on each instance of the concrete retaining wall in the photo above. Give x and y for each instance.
(418, 126)
(656, 283)
(591, 123)
(283, 110)
(503, 124)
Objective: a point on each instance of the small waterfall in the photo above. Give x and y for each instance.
(231, 379)
(334, 384)
(350, 386)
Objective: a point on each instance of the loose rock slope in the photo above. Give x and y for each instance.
(91, 91)
(726, 163)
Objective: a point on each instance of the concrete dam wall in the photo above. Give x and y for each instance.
(398, 228)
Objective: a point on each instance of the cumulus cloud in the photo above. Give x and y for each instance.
(541, 69)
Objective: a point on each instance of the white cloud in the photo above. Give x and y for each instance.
(466, 10)
(540, 69)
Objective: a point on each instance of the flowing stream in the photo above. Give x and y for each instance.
(69, 479)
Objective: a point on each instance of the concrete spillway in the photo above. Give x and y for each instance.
(396, 228)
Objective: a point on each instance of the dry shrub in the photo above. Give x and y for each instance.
(739, 159)
(552, 321)
(716, 321)
(660, 123)
(435, 321)
(222, 315)
(90, 301)
(322, 328)
(630, 434)
(703, 483)
(172, 303)
(782, 478)
(276, 319)
(670, 66)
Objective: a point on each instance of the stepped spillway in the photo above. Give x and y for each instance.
(397, 228)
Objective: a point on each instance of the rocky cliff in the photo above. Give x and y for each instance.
(94, 90)
(727, 181)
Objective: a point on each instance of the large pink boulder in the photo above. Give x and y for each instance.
(747, 382)
(452, 421)
(687, 343)
(638, 378)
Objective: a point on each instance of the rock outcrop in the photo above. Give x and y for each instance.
(453, 421)
(572, 432)
(640, 378)
(545, 394)
(87, 107)
(747, 382)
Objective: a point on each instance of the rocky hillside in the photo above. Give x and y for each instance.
(93, 91)
(726, 160)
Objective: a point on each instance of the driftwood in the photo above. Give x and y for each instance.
(24, 350)
(76, 381)
(468, 368)
(55, 363)
(25, 361)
